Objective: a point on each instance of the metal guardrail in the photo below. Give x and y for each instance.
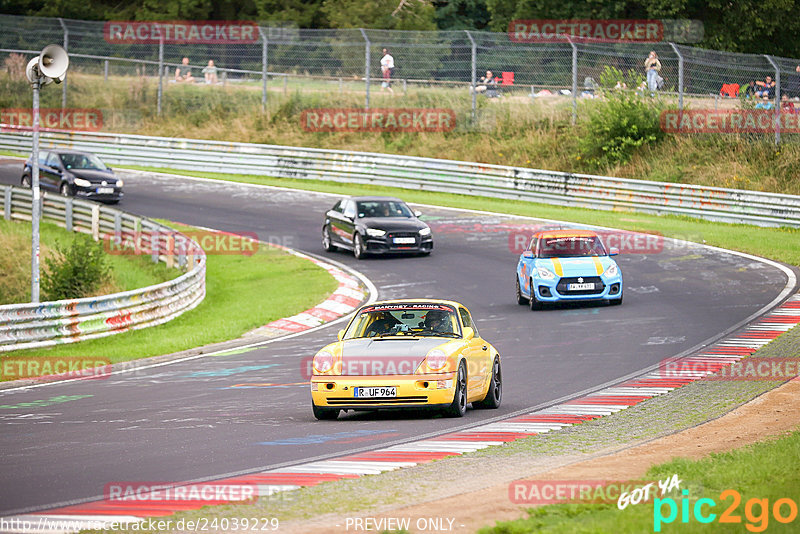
(549, 187)
(33, 325)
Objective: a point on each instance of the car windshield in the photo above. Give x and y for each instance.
(412, 319)
(570, 246)
(82, 161)
(383, 208)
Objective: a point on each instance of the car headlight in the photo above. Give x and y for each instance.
(323, 361)
(544, 273)
(80, 182)
(375, 232)
(436, 359)
(613, 270)
(425, 231)
(119, 183)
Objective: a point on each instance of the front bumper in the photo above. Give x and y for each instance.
(386, 244)
(413, 391)
(92, 194)
(610, 288)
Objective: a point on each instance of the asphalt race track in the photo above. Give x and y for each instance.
(200, 418)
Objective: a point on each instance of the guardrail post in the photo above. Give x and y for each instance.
(366, 65)
(473, 78)
(117, 225)
(264, 51)
(170, 252)
(68, 214)
(154, 237)
(66, 48)
(680, 76)
(7, 203)
(574, 80)
(160, 70)
(777, 99)
(182, 244)
(95, 222)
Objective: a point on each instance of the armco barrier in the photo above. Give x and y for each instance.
(550, 187)
(33, 325)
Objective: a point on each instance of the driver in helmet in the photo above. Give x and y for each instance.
(438, 321)
(383, 323)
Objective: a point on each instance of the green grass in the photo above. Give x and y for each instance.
(764, 470)
(127, 272)
(776, 243)
(242, 293)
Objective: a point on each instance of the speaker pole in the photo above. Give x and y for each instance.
(36, 204)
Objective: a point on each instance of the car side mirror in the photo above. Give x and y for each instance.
(417, 214)
(469, 332)
(340, 335)
(613, 251)
(528, 254)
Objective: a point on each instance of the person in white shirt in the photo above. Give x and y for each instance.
(387, 67)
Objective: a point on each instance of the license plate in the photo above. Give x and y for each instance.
(376, 392)
(404, 240)
(580, 287)
(105, 190)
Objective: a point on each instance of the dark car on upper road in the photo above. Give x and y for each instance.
(74, 173)
(375, 225)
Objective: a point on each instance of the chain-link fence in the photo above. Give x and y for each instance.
(348, 61)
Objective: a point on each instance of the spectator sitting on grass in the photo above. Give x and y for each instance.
(766, 88)
(764, 103)
(184, 72)
(750, 90)
(210, 72)
(787, 106)
(485, 82)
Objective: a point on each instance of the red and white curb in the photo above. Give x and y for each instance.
(592, 406)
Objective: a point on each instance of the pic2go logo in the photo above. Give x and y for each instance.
(756, 511)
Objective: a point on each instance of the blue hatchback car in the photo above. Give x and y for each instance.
(567, 265)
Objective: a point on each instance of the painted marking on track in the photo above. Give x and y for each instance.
(264, 385)
(231, 371)
(43, 402)
(336, 437)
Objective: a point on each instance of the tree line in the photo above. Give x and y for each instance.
(752, 26)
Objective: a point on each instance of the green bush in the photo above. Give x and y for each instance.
(617, 126)
(75, 271)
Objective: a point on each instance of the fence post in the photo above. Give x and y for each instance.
(264, 50)
(105, 70)
(160, 70)
(66, 47)
(777, 99)
(366, 65)
(680, 76)
(574, 80)
(474, 71)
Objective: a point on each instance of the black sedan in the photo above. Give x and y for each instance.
(375, 225)
(74, 173)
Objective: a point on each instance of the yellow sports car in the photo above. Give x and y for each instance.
(420, 353)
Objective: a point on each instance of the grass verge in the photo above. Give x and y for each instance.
(274, 284)
(127, 272)
(764, 472)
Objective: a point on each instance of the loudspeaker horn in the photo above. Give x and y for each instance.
(53, 61)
